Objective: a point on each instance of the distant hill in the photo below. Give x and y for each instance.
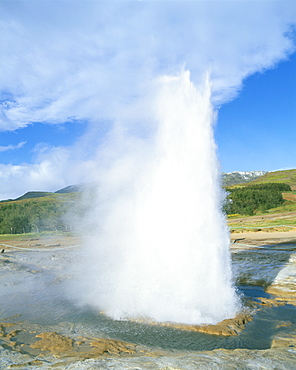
(37, 211)
(41, 194)
(228, 179)
(69, 189)
(240, 177)
(32, 194)
(284, 176)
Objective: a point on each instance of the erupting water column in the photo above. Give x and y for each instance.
(161, 248)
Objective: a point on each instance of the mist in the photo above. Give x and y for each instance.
(156, 241)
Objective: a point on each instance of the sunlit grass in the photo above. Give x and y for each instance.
(28, 236)
(279, 224)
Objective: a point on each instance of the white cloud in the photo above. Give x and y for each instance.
(98, 61)
(53, 169)
(98, 57)
(4, 148)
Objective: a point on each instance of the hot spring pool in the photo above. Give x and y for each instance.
(35, 297)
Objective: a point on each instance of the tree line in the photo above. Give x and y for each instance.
(49, 214)
(33, 216)
(255, 198)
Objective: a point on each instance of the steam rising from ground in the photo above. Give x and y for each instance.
(158, 247)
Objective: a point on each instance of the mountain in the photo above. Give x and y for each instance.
(283, 176)
(41, 194)
(240, 177)
(33, 194)
(69, 189)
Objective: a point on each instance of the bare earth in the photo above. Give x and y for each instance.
(55, 241)
(263, 237)
(268, 236)
(237, 239)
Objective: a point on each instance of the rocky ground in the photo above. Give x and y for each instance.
(47, 241)
(51, 349)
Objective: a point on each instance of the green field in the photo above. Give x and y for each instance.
(285, 176)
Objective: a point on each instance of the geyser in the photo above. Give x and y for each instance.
(157, 241)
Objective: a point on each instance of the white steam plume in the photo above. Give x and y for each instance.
(158, 244)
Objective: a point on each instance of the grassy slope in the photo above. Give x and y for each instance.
(47, 197)
(277, 217)
(57, 198)
(283, 215)
(285, 176)
(34, 194)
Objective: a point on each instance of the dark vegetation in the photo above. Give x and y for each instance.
(255, 198)
(284, 176)
(37, 212)
(33, 194)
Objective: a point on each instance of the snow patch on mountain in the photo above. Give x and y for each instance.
(238, 177)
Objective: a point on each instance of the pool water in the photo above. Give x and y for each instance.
(34, 295)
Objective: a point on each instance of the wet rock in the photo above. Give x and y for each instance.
(53, 342)
(61, 346)
(288, 341)
(25, 365)
(284, 284)
(283, 324)
(3, 328)
(269, 302)
(113, 347)
(6, 334)
(226, 327)
(229, 326)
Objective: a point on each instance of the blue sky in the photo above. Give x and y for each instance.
(69, 71)
(35, 136)
(257, 130)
